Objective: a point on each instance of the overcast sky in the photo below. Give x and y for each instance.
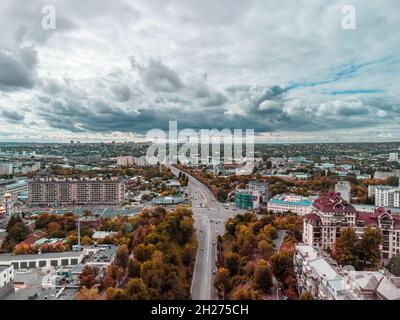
(112, 70)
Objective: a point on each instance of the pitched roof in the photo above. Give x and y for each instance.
(332, 202)
(33, 237)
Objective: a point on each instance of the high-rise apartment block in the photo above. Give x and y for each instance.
(385, 196)
(67, 192)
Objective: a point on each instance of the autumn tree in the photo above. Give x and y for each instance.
(306, 295)
(87, 294)
(263, 276)
(133, 268)
(232, 262)
(282, 263)
(136, 289)
(88, 277)
(222, 278)
(122, 256)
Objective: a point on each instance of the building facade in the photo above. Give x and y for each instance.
(62, 192)
(385, 196)
(125, 161)
(320, 275)
(297, 204)
(247, 199)
(261, 187)
(328, 215)
(6, 280)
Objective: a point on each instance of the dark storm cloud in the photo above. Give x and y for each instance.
(158, 76)
(122, 92)
(17, 68)
(270, 66)
(13, 116)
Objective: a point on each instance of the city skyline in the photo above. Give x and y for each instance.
(289, 71)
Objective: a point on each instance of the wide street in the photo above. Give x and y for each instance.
(210, 217)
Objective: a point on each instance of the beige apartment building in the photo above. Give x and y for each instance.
(67, 192)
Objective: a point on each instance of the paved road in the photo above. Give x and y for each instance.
(209, 216)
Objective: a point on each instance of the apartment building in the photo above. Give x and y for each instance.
(261, 187)
(320, 275)
(125, 161)
(66, 192)
(385, 196)
(388, 223)
(328, 215)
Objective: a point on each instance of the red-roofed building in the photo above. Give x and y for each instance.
(330, 214)
(389, 224)
(333, 214)
(33, 237)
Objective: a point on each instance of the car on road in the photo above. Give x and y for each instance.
(202, 249)
(214, 243)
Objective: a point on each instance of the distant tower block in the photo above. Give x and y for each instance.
(9, 204)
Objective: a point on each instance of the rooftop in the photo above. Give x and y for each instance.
(68, 254)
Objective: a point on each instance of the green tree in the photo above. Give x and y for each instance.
(393, 181)
(263, 276)
(345, 248)
(221, 195)
(370, 246)
(394, 265)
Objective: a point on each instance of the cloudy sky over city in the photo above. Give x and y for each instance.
(112, 70)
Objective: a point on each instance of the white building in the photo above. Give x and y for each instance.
(296, 204)
(385, 196)
(34, 261)
(320, 275)
(6, 280)
(344, 188)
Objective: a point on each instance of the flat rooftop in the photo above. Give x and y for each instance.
(24, 257)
